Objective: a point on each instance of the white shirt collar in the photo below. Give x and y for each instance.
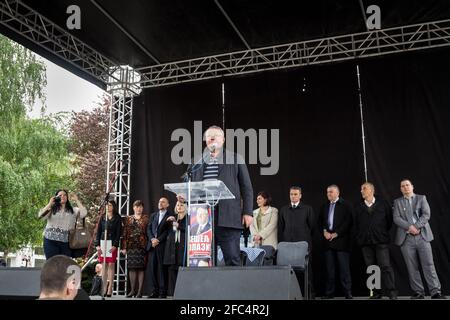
(369, 204)
(410, 198)
(335, 201)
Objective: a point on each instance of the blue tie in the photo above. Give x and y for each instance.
(331, 215)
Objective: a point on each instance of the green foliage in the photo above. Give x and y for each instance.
(22, 79)
(34, 156)
(34, 163)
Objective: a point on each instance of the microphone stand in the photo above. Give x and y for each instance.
(187, 177)
(102, 205)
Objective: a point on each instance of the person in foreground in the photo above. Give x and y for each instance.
(60, 279)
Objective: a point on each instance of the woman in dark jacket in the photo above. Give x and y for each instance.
(174, 252)
(114, 222)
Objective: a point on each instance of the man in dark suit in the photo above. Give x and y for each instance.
(296, 220)
(336, 220)
(411, 215)
(202, 224)
(373, 220)
(296, 223)
(157, 231)
(229, 216)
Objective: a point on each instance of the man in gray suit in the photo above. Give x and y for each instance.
(411, 215)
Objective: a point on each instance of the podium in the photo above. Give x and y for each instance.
(200, 196)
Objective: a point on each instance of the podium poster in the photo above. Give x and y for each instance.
(200, 236)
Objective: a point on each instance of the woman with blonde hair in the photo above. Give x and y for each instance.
(174, 253)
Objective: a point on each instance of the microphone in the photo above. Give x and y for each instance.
(191, 168)
(213, 147)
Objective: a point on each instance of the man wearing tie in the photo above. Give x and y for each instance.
(411, 215)
(336, 220)
(157, 232)
(296, 223)
(202, 222)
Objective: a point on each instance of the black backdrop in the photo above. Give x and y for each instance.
(406, 101)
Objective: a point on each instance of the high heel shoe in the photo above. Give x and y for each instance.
(130, 295)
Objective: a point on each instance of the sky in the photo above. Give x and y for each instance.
(66, 92)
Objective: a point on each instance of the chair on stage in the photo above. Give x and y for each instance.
(269, 257)
(295, 254)
(253, 257)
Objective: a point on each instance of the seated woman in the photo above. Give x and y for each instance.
(265, 220)
(174, 254)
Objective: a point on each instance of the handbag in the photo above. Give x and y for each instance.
(79, 238)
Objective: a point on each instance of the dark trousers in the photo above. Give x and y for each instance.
(172, 277)
(159, 271)
(228, 240)
(378, 254)
(343, 261)
(53, 248)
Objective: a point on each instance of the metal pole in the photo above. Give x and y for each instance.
(223, 106)
(362, 123)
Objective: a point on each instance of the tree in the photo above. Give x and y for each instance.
(34, 162)
(34, 157)
(89, 144)
(22, 79)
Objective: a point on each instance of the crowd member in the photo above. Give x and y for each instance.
(60, 279)
(61, 218)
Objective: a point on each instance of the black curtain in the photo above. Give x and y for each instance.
(407, 114)
(317, 112)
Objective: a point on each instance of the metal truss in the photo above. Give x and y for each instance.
(325, 50)
(118, 172)
(25, 21)
(119, 154)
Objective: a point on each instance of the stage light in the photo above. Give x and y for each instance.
(124, 81)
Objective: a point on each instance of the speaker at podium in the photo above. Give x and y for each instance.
(237, 283)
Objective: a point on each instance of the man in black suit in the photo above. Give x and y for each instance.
(296, 223)
(296, 220)
(229, 216)
(157, 231)
(373, 221)
(336, 220)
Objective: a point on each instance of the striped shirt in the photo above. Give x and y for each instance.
(211, 170)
